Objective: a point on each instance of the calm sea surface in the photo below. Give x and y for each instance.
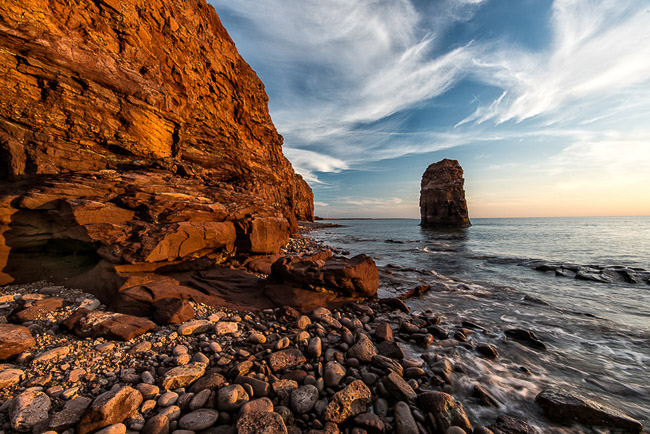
(598, 334)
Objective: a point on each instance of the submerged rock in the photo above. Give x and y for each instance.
(570, 408)
(442, 196)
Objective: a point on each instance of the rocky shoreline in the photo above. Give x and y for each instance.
(365, 367)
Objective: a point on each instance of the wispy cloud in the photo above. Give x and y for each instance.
(308, 162)
(370, 201)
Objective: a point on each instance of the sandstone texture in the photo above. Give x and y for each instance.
(442, 196)
(134, 140)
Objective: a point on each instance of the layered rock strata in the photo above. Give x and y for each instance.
(442, 196)
(134, 140)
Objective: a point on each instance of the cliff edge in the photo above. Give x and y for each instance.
(442, 196)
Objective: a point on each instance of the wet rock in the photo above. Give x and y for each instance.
(303, 399)
(182, 376)
(349, 402)
(398, 388)
(199, 419)
(108, 325)
(510, 425)
(29, 409)
(487, 350)
(404, 421)
(172, 310)
(231, 398)
(527, 337)
(390, 349)
(70, 414)
(438, 331)
(258, 422)
(484, 396)
(110, 408)
(363, 350)
(569, 408)
(445, 411)
(288, 358)
(395, 304)
(14, 339)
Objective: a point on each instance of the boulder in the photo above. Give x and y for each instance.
(109, 325)
(110, 408)
(9, 377)
(442, 196)
(32, 309)
(172, 310)
(14, 339)
(570, 408)
(29, 409)
(353, 277)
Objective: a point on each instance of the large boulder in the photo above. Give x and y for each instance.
(442, 196)
(570, 408)
(109, 325)
(353, 277)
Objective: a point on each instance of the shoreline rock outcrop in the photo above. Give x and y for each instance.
(134, 142)
(442, 196)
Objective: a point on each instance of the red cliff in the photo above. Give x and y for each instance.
(134, 138)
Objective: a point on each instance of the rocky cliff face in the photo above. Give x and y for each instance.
(133, 139)
(442, 196)
(110, 84)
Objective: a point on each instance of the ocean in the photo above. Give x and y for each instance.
(597, 329)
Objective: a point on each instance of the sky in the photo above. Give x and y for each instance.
(545, 103)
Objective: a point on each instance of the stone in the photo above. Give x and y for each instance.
(288, 358)
(487, 350)
(118, 428)
(260, 387)
(260, 404)
(349, 402)
(148, 391)
(384, 332)
(226, 327)
(261, 422)
(303, 322)
(9, 377)
(158, 424)
(445, 410)
(210, 381)
(390, 349)
(303, 399)
(195, 327)
(569, 408)
(314, 348)
(398, 388)
(404, 421)
(388, 364)
(363, 350)
(32, 309)
(14, 339)
(231, 398)
(53, 354)
(355, 277)
(370, 422)
(182, 376)
(29, 409)
(198, 420)
(333, 374)
(167, 399)
(108, 325)
(110, 408)
(70, 414)
(257, 338)
(442, 196)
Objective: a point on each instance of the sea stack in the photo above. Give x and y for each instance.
(442, 196)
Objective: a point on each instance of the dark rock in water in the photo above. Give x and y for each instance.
(109, 325)
(442, 196)
(354, 277)
(527, 337)
(395, 304)
(484, 396)
(510, 425)
(14, 339)
(415, 292)
(569, 408)
(487, 350)
(445, 410)
(594, 276)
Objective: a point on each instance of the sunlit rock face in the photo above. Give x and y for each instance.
(442, 196)
(133, 139)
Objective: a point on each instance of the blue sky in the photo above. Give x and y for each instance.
(546, 104)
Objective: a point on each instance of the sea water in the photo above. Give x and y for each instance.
(597, 333)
